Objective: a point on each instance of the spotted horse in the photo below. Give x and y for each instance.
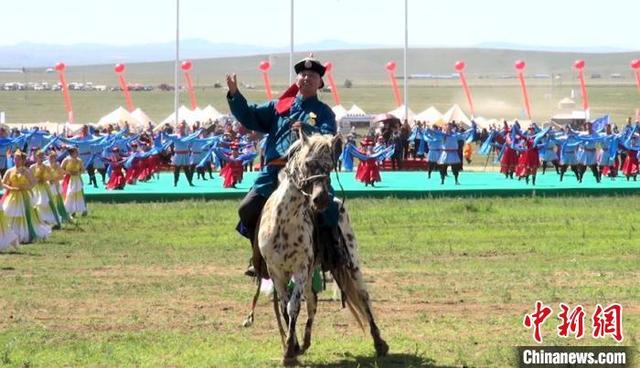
(285, 242)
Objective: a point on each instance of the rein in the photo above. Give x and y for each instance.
(300, 184)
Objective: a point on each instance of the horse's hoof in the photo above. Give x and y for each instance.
(305, 347)
(381, 348)
(297, 349)
(290, 362)
(248, 322)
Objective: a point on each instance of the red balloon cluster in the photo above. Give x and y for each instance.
(265, 65)
(459, 65)
(520, 64)
(186, 65)
(391, 66)
(579, 64)
(60, 67)
(328, 66)
(635, 64)
(119, 68)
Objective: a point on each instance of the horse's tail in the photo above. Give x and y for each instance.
(352, 286)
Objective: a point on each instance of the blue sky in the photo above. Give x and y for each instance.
(567, 23)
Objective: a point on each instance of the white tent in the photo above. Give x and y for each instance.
(356, 110)
(456, 113)
(183, 114)
(210, 113)
(119, 116)
(430, 115)
(399, 113)
(566, 104)
(339, 111)
(141, 116)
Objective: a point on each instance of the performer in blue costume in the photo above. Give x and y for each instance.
(450, 155)
(182, 152)
(297, 109)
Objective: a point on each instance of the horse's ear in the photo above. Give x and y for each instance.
(295, 147)
(303, 137)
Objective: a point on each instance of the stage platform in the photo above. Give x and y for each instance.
(410, 184)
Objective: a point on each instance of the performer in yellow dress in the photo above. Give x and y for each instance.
(56, 175)
(43, 199)
(16, 203)
(72, 186)
(8, 238)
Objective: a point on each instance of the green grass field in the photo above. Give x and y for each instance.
(495, 96)
(492, 101)
(161, 285)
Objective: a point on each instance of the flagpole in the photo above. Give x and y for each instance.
(406, 46)
(291, 46)
(176, 88)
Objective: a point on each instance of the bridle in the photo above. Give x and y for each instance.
(300, 184)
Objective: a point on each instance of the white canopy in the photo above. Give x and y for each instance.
(399, 113)
(119, 116)
(356, 110)
(141, 116)
(183, 114)
(339, 111)
(430, 115)
(574, 115)
(456, 113)
(566, 103)
(210, 113)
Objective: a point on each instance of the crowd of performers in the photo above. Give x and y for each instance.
(443, 148)
(43, 187)
(42, 172)
(600, 148)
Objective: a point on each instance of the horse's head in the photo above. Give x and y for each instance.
(311, 160)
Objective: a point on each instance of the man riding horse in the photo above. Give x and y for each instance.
(297, 109)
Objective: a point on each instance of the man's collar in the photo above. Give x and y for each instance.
(300, 99)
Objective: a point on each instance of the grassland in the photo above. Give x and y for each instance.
(492, 101)
(495, 95)
(155, 285)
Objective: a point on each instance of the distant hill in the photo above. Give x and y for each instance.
(42, 55)
(362, 66)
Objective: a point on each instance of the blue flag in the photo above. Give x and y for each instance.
(599, 124)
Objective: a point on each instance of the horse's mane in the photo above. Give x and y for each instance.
(318, 145)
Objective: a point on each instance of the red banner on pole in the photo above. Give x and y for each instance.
(391, 69)
(119, 69)
(520, 65)
(186, 67)
(334, 90)
(635, 65)
(459, 66)
(264, 66)
(60, 68)
(579, 65)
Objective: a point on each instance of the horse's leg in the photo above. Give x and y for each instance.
(276, 310)
(312, 305)
(249, 321)
(280, 285)
(351, 282)
(293, 308)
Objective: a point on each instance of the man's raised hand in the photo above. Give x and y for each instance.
(232, 83)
